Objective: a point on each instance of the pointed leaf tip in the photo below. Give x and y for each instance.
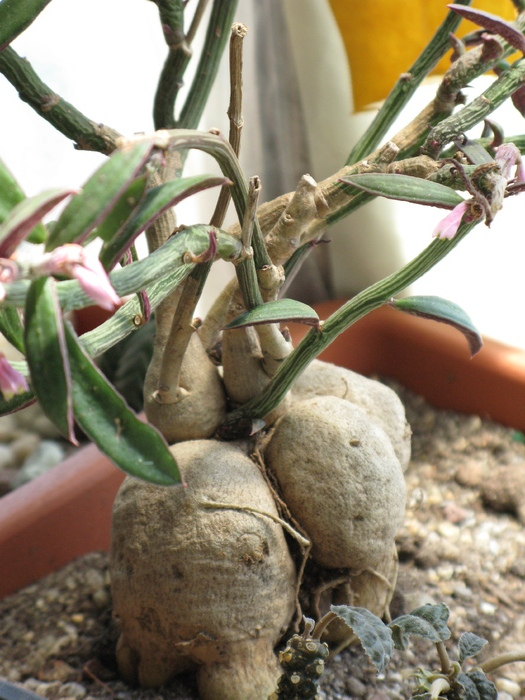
(374, 635)
(444, 311)
(280, 311)
(405, 188)
(493, 23)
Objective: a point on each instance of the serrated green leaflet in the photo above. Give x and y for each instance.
(276, 312)
(444, 311)
(476, 686)
(10, 195)
(469, 645)
(136, 447)
(406, 188)
(123, 209)
(156, 201)
(99, 194)
(428, 621)
(23, 218)
(15, 16)
(47, 356)
(374, 636)
(11, 327)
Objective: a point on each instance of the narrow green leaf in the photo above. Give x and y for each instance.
(469, 645)
(374, 635)
(123, 209)
(99, 194)
(17, 15)
(136, 447)
(10, 195)
(474, 151)
(11, 327)
(445, 311)
(23, 218)
(405, 188)
(278, 311)
(157, 200)
(47, 356)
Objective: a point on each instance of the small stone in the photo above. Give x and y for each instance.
(45, 457)
(355, 688)
(487, 608)
(7, 458)
(7, 428)
(505, 685)
(72, 690)
(24, 446)
(454, 513)
(470, 473)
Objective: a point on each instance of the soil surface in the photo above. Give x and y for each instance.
(463, 543)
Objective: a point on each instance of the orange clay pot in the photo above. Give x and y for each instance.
(67, 512)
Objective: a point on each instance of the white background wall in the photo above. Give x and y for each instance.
(105, 56)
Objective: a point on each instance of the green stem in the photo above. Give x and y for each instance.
(221, 19)
(317, 340)
(444, 658)
(171, 77)
(455, 125)
(88, 135)
(406, 86)
(495, 662)
(221, 150)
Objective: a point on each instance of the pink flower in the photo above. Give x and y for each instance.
(447, 227)
(507, 156)
(73, 260)
(8, 273)
(11, 381)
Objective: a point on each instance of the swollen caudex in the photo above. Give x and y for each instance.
(201, 403)
(341, 480)
(381, 404)
(202, 576)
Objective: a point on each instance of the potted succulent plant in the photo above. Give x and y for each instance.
(228, 502)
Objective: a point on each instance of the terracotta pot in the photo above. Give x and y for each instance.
(67, 512)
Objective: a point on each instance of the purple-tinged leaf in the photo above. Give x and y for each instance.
(157, 200)
(280, 311)
(47, 355)
(405, 188)
(489, 125)
(100, 194)
(23, 218)
(16, 403)
(134, 446)
(474, 151)
(493, 23)
(438, 309)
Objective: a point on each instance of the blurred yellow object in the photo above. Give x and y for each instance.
(384, 37)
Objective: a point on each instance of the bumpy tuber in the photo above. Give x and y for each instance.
(202, 576)
(341, 480)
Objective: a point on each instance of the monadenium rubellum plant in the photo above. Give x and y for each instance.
(303, 658)
(286, 472)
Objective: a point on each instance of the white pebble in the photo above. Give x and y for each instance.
(487, 608)
(505, 685)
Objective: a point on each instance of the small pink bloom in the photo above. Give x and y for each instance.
(73, 260)
(11, 381)
(507, 156)
(447, 227)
